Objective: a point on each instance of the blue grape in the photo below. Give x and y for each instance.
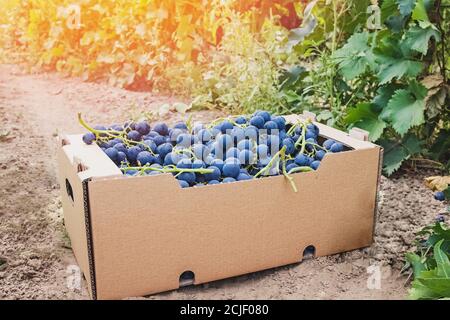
(246, 157)
(257, 121)
(131, 172)
(175, 134)
(198, 164)
(120, 147)
(237, 134)
(145, 157)
(189, 177)
(200, 151)
(161, 128)
(112, 153)
(291, 166)
(214, 182)
(231, 169)
(184, 164)
(263, 151)
(117, 127)
(164, 149)
(310, 134)
(240, 120)
(243, 176)
(232, 153)
(244, 144)
(183, 183)
(302, 160)
(184, 140)
(115, 141)
(313, 127)
(218, 163)
(315, 164)
(270, 126)
(226, 126)
(215, 175)
(151, 145)
(228, 180)
(121, 157)
(337, 147)
(88, 138)
(132, 153)
(224, 142)
(134, 136)
(265, 115)
(180, 125)
(289, 144)
(252, 133)
(204, 135)
(281, 122)
(439, 196)
(142, 127)
(320, 154)
(328, 143)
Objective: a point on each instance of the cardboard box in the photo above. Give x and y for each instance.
(135, 236)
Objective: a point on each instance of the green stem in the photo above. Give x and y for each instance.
(168, 169)
(271, 162)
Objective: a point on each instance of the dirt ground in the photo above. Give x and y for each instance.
(34, 249)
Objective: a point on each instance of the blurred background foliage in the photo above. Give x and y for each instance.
(239, 56)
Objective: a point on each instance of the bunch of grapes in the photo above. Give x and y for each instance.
(223, 151)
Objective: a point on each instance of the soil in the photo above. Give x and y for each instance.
(35, 254)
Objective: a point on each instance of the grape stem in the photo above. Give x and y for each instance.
(271, 162)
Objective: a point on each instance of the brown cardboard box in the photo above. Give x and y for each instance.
(135, 236)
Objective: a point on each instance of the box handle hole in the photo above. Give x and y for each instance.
(187, 278)
(309, 252)
(69, 190)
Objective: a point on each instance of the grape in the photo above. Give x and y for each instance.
(120, 147)
(224, 142)
(439, 218)
(283, 135)
(180, 125)
(161, 128)
(252, 133)
(270, 126)
(320, 154)
(204, 135)
(115, 141)
(310, 144)
(289, 144)
(134, 136)
(244, 144)
(336, 147)
(88, 138)
(175, 133)
(214, 182)
(226, 126)
(310, 135)
(153, 173)
(243, 176)
(145, 157)
(200, 178)
(263, 151)
(281, 122)
(232, 153)
(273, 142)
(183, 183)
(142, 127)
(231, 169)
(130, 172)
(215, 175)
(164, 149)
(218, 163)
(302, 160)
(200, 151)
(184, 140)
(439, 196)
(132, 153)
(315, 164)
(101, 128)
(112, 153)
(291, 166)
(313, 127)
(257, 121)
(232, 160)
(328, 143)
(198, 164)
(184, 164)
(246, 157)
(237, 134)
(121, 157)
(189, 177)
(265, 115)
(228, 180)
(240, 120)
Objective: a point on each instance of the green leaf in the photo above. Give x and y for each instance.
(413, 144)
(405, 109)
(418, 38)
(416, 263)
(406, 6)
(420, 12)
(355, 56)
(391, 68)
(384, 94)
(442, 261)
(439, 150)
(363, 116)
(394, 155)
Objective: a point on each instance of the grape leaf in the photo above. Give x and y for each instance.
(420, 12)
(384, 94)
(418, 38)
(391, 68)
(404, 111)
(393, 157)
(406, 6)
(363, 116)
(355, 56)
(416, 263)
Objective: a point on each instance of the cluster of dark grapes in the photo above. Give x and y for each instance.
(226, 150)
